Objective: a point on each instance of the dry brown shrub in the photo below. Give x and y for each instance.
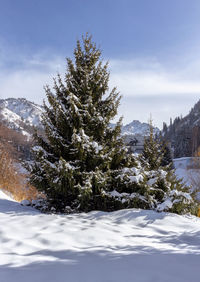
(11, 180)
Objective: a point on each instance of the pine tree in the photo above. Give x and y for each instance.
(77, 162)
(163, 191)
(167, 155)
(81, 163)
(151, 157)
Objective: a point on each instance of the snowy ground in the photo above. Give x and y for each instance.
(190, 176)
(128, 245)
(184, 169)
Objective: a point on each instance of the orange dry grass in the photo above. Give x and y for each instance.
(12, 181)
(198, 214)
(20, 190)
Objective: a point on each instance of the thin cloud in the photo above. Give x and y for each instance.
(28, 78)
(134, 79)
(146, 85)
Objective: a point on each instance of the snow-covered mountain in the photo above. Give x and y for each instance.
(20, 114)
(137, 128)
(135, 133)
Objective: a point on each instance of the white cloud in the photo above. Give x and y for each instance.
(28, 84)
(29, 79)
(134, 79)
(161, 108)
(146, 85)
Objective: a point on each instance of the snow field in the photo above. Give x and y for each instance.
(127, 245)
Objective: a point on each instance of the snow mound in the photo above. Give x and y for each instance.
(127, 245)
(25, 203)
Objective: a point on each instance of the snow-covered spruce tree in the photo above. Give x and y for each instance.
(167, 154)
(164, 192)
(78, 161)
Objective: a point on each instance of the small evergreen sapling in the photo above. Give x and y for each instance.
(164, 192)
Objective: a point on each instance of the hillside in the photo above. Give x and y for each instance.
(127, 245)
(184, 133)
(20, 114)
(16, 143)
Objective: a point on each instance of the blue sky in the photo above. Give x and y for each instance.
(153, 48)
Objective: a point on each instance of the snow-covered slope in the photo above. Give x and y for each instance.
(137, 128)
(188, 169)
(20, 113)
(184, 133)
(127, 245)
